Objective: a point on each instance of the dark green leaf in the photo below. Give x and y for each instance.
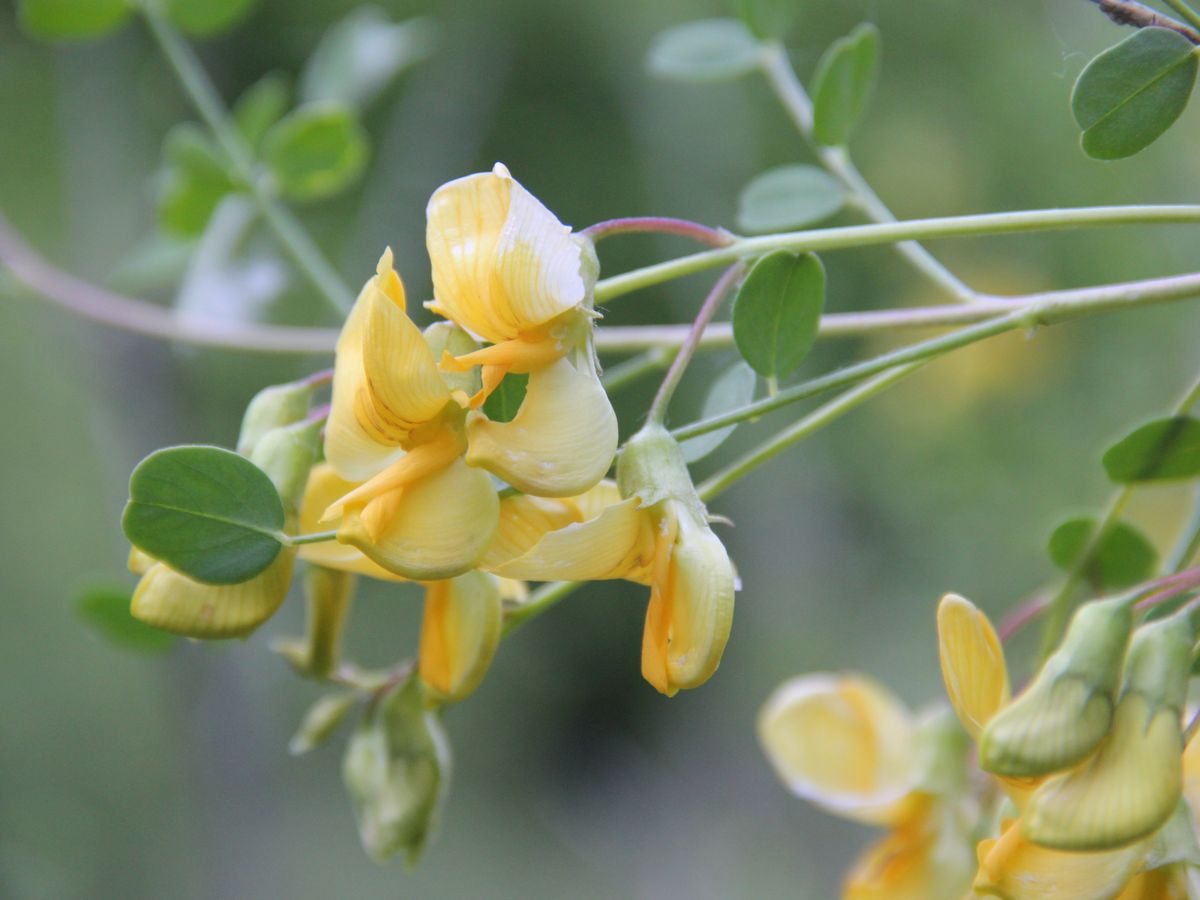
(707, 50)
(733, 388)
(205, 17)
(107, 611)
(789, 197)
(206, 512)
(316, 151)
(769, 20)
(261, 106)
(777, 310)
(71, 19)
(1162, 450)
(1125, 557)
(505, 400)
(359, 56)
(843, 84)
(1131, 93)
(193, 181)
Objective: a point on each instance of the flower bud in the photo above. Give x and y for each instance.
(397, 770)
(459, 634)
(273, 407)
(1133, 783)
(1067, 710)
(321, 721)
(287, 454)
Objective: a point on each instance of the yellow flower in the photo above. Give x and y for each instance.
(924, 858)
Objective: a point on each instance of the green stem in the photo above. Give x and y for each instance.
(291, 235)
(541, 600)
(1185, 10)
(782, 77)
(662, 399)
(1048, 309)
(817, 240)
(1189, 541)
(317, 537)
(802, 428)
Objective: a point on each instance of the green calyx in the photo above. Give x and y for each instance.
(651, 467)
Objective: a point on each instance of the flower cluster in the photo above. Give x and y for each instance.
(1086, 788)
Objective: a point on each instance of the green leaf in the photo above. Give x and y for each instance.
(1162, 450)
(733, 388)
(505, 400)
(316, 151)
(71, 19)
(359, 56)
(1131, 93)
(206, 17)
(261, 106)
(1125, 557)
(206, 512)
(777, 310)
(769, 20)
(193, 181)
(107, 611)
(789, 197)
(707, 50)
(843, 84)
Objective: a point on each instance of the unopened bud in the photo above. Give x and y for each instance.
(459, 634)
(329, 593)
(287, 454)
(273, 407)
(321, 720)
(1067, 710)
(1133, 783)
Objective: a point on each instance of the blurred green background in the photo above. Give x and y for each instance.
(131, 777)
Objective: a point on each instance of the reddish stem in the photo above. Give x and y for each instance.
(1022, 616)
(715, 237)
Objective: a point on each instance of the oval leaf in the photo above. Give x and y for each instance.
(71, 19)
(733, 388)
(843, 84)
(193, 181)
(316, 151)
(261, 106)
(789, 197)
(707, 50)
(206, 512)
(1162, 450)
(107, 611)
(1131, 93)
(204, 17)
(777, 310)
(1125, 557)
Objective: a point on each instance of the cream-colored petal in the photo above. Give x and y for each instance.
(525, 520)
(139, 561)
(502, 263)
(439, 527)
(845, 743)
(1014, 868)
(173, 602)
(324, 487)
(920, 860)
(561, 441)
(459, 634)
(972, 663)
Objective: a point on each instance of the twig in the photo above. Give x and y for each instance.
(1130, 12)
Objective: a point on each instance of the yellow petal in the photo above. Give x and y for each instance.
(1014, 868)
(502, 263)
(173, 602)
(324, 487)
(561, 441)
(459, 634)
(139, 561)
(525, 520)
(385, 381)
(1166, 883)
(1123, 793)
(691, 604)
(972, 663)
(438, 528)
(843, 742)
(917, 861)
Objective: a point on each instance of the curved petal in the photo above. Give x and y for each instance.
(173, 602)
(691, 605)
(459, 634)
(561, 441)
(972, 663)
(502, 263)
(324, 487)
(525, 520)
(916, 861)
(845, 743)
(438, 526)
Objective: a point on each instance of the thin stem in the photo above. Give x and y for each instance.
(317, 537)
(1185, 11)
(782, 77)
(717, 237)
(1189, 541)
(291, 235)
(1048, 309)
(1130, 12)
(1021, 616)
(817, 240)
(801, 429)
(662, 399)
(631, 370)
(34, 272)
(541, 600)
